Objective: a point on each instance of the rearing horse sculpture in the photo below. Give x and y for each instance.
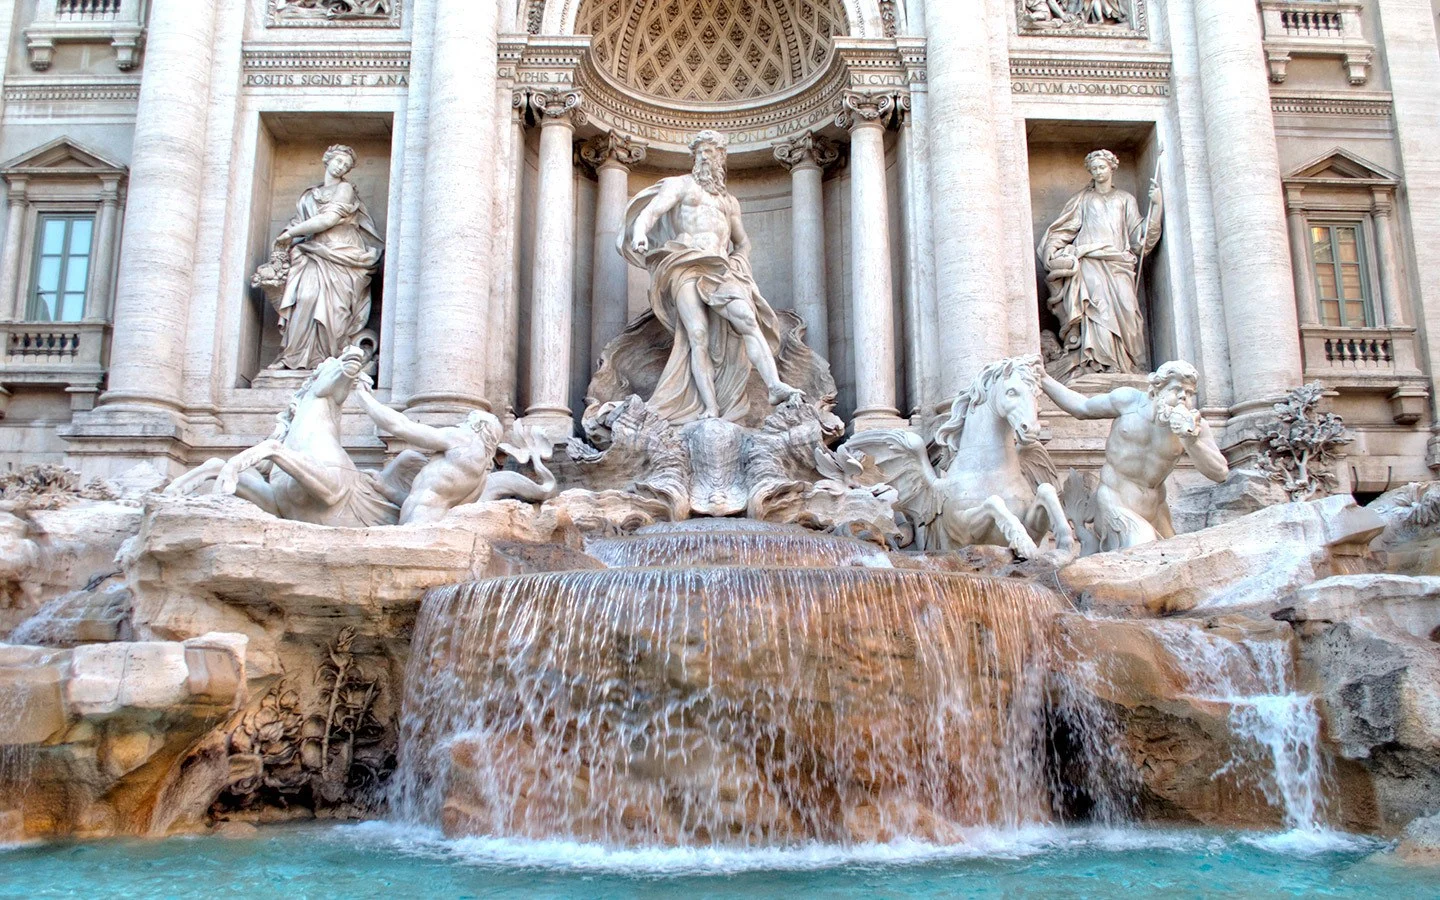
(996, 481)
(310, 477)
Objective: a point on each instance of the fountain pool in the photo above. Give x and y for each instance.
(392, 861)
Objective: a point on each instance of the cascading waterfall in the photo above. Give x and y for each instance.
(728, 706)
(1281, 726)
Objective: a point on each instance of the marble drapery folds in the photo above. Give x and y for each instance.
(719, 279)
(326, 301)
(1091, 255)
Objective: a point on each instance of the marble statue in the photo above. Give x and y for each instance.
(995, 484)
(1092, 256)
(1152, 430)
(1074, 13)
(302, 470)
(318, 277)
(687, 232)
(305, 10)
(460, 472)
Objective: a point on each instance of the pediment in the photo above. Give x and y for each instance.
(62, 156)
(1340, 165)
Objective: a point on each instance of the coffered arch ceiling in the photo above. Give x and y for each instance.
(711, 51)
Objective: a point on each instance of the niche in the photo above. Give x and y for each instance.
(1057, 151)
(288, 161)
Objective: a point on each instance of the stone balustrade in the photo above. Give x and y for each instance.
(1311, 28)
(69, 354)
(1377, 360)
(114, 22)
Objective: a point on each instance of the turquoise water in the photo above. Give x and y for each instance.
(376, 860)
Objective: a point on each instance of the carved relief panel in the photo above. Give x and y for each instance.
(1083, 18)
(312, 13)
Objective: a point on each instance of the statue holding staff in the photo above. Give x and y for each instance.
(1092, 255)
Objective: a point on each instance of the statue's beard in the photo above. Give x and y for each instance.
(709, 176)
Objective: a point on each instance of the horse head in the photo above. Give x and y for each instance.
(334, 378)
(1010, 389)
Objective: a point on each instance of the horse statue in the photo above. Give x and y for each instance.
(996, 484)
(302, 471)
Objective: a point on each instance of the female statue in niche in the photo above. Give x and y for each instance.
(1092, 256)
(318, 277)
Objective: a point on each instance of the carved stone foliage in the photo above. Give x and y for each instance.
(858, 109)
(554, 104)
(337, 753)
(1302, 445)
(1084, 18)
(711, 50)
(382, 13)
(809, 149)
(612, 148)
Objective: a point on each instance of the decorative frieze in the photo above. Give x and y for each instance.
(351, 68)
(73, 92)
(1132, 76)
(1375, 106)
(1083, 18)
(333, 13)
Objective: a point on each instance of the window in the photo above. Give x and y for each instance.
(1342, 280)
(62, 268)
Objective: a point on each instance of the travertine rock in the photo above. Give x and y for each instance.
(1254, 561)
(1190, 763)
(100, 730)
(1420, 842)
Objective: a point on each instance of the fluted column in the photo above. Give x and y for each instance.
(452, 322)
(807, 157)
(1391, 294)
(153, 284)
(100, 260)
(972, 310)
(873, 289)
(1256, 276)
(611, 155)
(1307, 304)
(552, 282)
(10, 305)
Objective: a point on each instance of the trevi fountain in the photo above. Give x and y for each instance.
(608, 448)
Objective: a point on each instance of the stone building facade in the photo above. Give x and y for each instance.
(897, 162)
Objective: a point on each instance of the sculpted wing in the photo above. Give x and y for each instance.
(1038, 467)
(902, 457)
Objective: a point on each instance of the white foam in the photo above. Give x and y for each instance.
(572, 856)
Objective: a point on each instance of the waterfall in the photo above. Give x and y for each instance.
(1277, 726)
(720, 705)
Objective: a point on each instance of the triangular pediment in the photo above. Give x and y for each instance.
(1342, 165)
(63, 156)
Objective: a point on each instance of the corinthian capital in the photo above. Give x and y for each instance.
(612, 148)
(558, 105)
(857, 109)
(809, 149)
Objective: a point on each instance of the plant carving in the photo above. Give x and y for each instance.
(1302, 444)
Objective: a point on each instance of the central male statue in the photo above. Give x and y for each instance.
(686, 231)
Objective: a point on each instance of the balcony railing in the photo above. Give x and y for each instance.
(1368, 360)
(1317, 28)
(88, 10)
(65, 354)
(113, 22)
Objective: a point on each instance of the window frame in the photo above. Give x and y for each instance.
(32, 305)
(1368, 289)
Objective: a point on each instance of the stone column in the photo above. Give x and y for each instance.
(611, 155)
(1256, 276)
(104, 255)
(452, 329)
(552, 283)
(971, 295)
(153, 283)
(807, 157)
(1392, 303)
(11, 306)
(873, 290)
(1307, 304)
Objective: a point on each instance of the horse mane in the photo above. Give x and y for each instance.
(286, 417)
(973, 397)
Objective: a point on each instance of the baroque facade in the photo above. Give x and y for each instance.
(899, 165)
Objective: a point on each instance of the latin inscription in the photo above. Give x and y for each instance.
(327, 79)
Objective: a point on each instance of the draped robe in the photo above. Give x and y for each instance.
(327, 295)
(717, 278)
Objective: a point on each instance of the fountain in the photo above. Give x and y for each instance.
(764, 687)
